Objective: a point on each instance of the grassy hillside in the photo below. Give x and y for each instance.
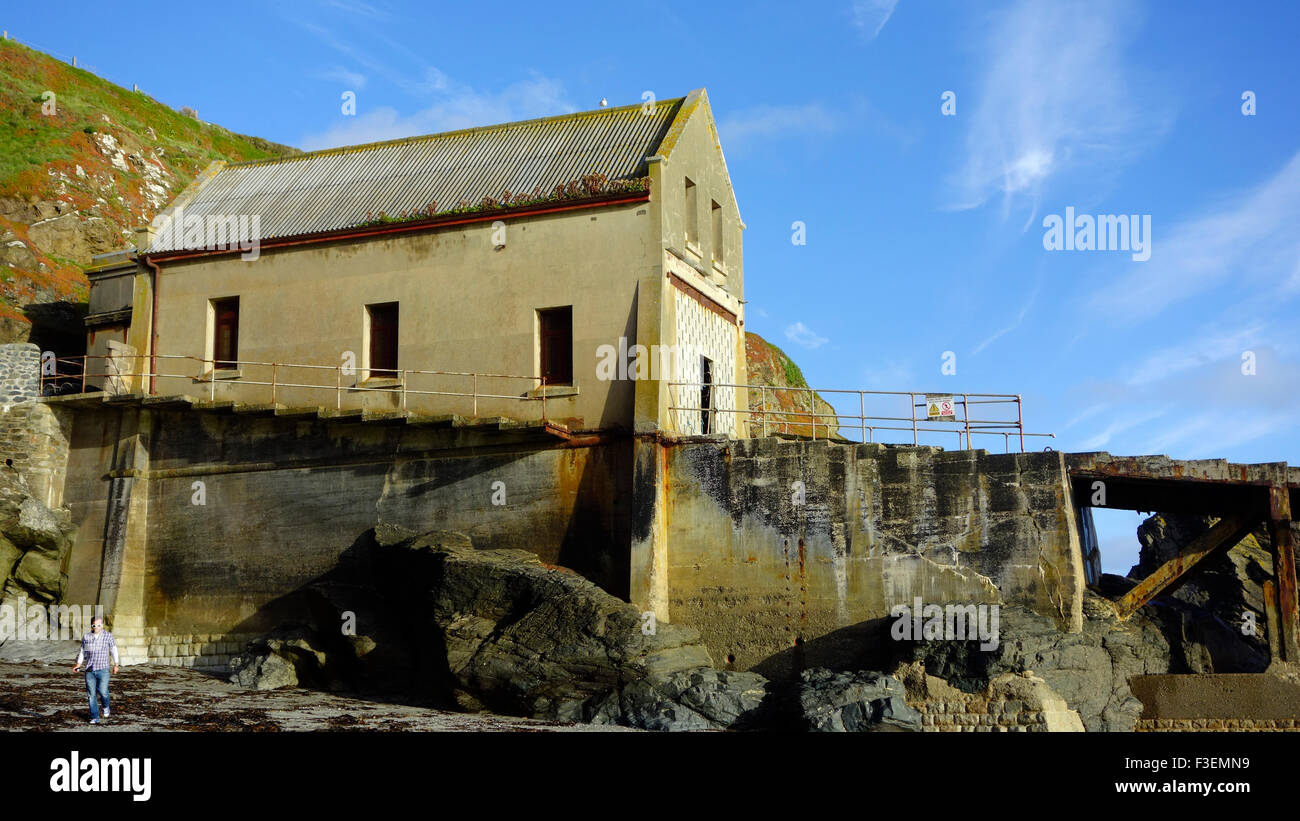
(81, 169)
(769, 365)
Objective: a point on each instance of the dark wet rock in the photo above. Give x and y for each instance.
(496, 630)
(855, 702)
(34, 541)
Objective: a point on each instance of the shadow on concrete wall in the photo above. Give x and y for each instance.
(392, 653)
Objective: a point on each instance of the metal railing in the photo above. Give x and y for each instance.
(773, 416)
(279, 380)
(123, 373)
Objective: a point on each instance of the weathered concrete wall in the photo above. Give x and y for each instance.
(771, 570)
(464, 306)
(207, 520)
(197, 523)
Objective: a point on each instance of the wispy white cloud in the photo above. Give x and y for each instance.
(1086, 413)
(748, 126)
(871, 15)
(418, 78)
(359, 8)
(1250, 242)
(1205, 403)
(1057, 93)
(1127, 422)
(1020, 317)
(889, 374)
(458, 106)
(1166, 439)
(349, 80)
(1213, 434)
(1202, 349)
(800, 334)
(745, 125)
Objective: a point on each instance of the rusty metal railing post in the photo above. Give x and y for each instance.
(475, 388)
(911, 400)
(275, 372)
(965, 412)
(404, 378)
(1020, 423)
(338, 387)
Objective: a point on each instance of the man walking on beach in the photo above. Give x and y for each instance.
(96, 647)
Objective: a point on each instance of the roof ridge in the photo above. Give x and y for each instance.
(481, 129)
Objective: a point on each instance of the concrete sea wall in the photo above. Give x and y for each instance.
(196, 524)
(782, 552)
(194, 527)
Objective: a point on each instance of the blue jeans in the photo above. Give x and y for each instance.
(97, 680)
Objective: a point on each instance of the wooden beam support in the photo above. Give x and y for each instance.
(1271, 620)
(1226, 533)
(1279, 514)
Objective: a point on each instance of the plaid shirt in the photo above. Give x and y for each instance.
(95, 649)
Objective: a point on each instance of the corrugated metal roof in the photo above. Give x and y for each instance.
(336, 188)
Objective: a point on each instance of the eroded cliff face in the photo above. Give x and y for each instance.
(784, 409)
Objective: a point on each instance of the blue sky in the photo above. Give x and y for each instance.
(924, 231)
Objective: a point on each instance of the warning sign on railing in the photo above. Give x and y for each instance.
(939, 406)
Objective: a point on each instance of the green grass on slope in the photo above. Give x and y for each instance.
(30, 138)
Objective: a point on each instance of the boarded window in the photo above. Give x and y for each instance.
(556, 338)
(383, 340)
(225, 332)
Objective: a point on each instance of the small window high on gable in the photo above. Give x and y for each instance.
(718, 241)
(692, 213)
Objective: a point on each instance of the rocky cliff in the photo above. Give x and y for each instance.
(786, 409)
(83, 162)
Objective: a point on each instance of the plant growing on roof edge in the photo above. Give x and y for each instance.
(591, 185)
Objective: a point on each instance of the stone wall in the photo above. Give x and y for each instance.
(202, 651)
(34, 439)
(20, 373)
(1012, 702)
(1218, 725)
(790, 554)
